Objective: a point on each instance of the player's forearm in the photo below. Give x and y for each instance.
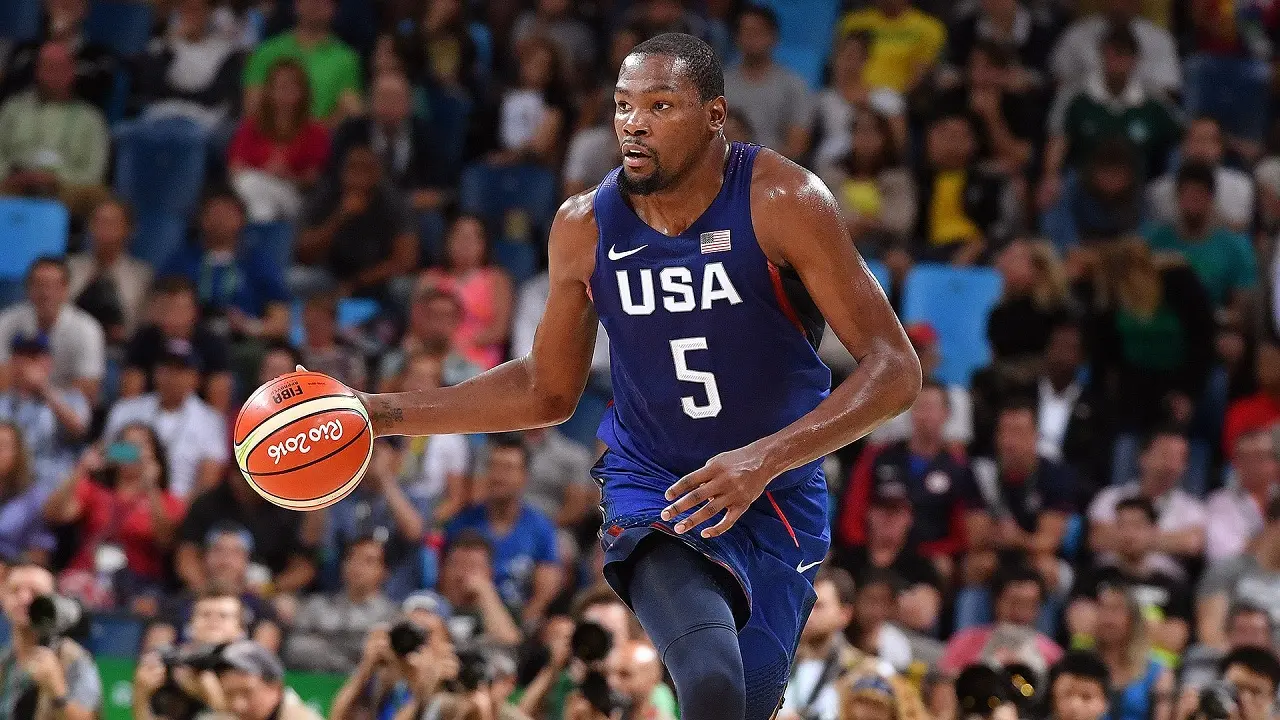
(508, 397)
(884, 385)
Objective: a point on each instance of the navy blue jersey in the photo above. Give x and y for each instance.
(712, 346)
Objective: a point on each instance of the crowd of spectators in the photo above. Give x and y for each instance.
(1097, 511)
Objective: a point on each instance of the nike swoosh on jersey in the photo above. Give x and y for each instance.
(615, 255)
(803, 567)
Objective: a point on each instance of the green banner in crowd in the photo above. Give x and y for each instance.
(315, 689)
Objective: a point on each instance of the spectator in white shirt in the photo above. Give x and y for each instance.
(193, 434)
(1236, 513)
(1233, 189)
(1181, 516)
(1077, 56)
(76, 340)
(776, 102)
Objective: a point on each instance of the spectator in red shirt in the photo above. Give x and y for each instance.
(278, 154)
(1261, 409)
(126, 519)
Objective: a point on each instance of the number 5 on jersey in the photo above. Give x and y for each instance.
(679, 348)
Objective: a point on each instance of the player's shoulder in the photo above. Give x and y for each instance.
(574, 235)
(578, 212)
(780, 188)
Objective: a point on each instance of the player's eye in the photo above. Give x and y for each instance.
(622, 106)
(661, 105)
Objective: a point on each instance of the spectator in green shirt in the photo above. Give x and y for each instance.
(332, 67)
(1222, 258)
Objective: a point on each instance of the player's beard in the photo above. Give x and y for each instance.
(656, 181)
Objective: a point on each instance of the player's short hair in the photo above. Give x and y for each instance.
(841, 580)
(698, 61)
(1256, 660)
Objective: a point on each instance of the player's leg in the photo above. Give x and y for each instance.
(684, 603)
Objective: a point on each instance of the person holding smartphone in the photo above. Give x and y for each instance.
(119, 497)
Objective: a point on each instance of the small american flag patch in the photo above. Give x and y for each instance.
(715, 241)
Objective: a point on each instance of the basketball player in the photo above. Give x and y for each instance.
(712, 266)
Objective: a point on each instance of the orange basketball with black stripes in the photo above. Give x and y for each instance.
(303, 441)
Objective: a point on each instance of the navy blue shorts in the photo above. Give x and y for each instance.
(773, 553)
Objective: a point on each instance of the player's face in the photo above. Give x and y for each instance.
(662, 125)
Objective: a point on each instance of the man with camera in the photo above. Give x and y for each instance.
(43, 675)
(1247, 690)
(252, 681)
(398, 666)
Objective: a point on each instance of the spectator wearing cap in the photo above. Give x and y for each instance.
(1252, 578)
(54, 420)
(467, 584)
(328, 630)
(226, 557)
(776, 102)
(1233, 190)
(1019, 598)
(284, 541)
(241, 294)
(104, 280)
(76, 340)
(434, 317)
(1017, 509)
(382, 509)
(23, 534)
(957, 425)
(1235, 513)
(252, 680)
(126, 519)
(525, 551)
(193, 433)
(176, 330)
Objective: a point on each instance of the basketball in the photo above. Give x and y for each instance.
(303, 441)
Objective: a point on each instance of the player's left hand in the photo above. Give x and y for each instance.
(729, 482)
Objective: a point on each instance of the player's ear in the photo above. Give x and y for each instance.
(717, 113)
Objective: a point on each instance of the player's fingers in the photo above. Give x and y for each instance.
(299, 368)
(705, 513)
(689, 500)
(690, 481)
(730, 517)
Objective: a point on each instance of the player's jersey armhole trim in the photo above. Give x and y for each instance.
(775, 277)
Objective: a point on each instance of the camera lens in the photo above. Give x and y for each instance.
(405, 637)
(591, 642)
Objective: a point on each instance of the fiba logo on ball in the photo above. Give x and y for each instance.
(303, 441)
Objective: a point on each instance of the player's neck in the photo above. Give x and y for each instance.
(673, 210)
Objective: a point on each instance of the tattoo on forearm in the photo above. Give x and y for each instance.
(383, 415)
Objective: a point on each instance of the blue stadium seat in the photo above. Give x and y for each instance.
(804, 60)
(519, 258)
(124, 26)
(160, 168)
(934, 294)
(30, 228)
(351, 312)
(881, 273)
(272, 242)
(20, 19)
(115, 635)
(491, 191)
(483, 40)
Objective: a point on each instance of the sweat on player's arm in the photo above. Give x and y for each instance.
(798, 225)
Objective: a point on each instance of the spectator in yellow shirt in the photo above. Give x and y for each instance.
(905, 43)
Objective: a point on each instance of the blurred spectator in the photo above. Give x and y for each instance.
(1247, 626)
(282, 556)
(434, 318)
(776, 102)
(53, 144)
(278, 152)
(1035, 299)
(379, 508)
(654, 17)
(358, 233)
(434, 469)
(1254, 674)
(1228, 71)
(1252, 578)
(1079, 687)
(1233, 190)
(177, 330)
(105, 281)
(920, 475)
(1079, 53)
(555, 20)
(376, 686)
(535, 111)
(23, 534)
(193, 70)
(328, 631)
(1006, 116)
(332, 67)
(905, 43)
(847, 99)
(1234, 514)
(957, 423)
(44, 677)
(1181, 515)
(1222, 259)
(1106, 203)
(635, 671)
(875, 608)
(1261, 410)
(1158, 586)
(94, 65)
(963, 208)
(404, 144)
(890, 546)
(1019, 594)
(560, 482)
(227, 594)
(241, 294)
(877, 194)
(483, 288)
(524, 540)
(126, 519)
(441, 51)
(75, 338)
(323, 349)
(1007, 23)
(593, 149)
(467, 583)
(1151, 340)
(54, 420)
(252, 679)
(1110, 101)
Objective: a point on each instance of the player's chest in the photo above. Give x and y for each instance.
(701, 272)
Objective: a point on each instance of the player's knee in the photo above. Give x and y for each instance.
(707, 668)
